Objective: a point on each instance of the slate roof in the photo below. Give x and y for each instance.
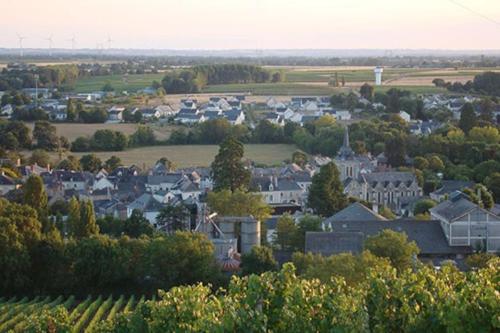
(283, 184)
(395, 177)
(5, 180)
(427, 234)
(355, 211)
(449, 186)
(328, 243)
(170, 178)
(454, 208)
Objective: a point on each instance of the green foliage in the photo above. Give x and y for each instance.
(306, 223)
(479, 260)
(423, 206)
(387, 213)
(493, 184)
(486, 134)
(20, 230)
(143, 136)
(45, 135)
(39, 157)
(173, 218)
(326, 195)
(299, 158)
(467, 118)
(394, 246)
(34, 195)
(427, 300)
(238, 203)
(81, 219)
(228, 171)
(90, 162)
(481, 196)
(258, 261)
(355, 269)
(49, 320)
(112, 163)
(286, 230)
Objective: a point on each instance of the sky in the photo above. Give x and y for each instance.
(257, 24)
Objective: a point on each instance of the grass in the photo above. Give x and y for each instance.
(194, 155)
(283, 88)
(130, 82)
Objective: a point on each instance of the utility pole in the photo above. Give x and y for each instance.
(36, 90)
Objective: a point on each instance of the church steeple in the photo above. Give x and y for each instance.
(346, 138)
(346, 151)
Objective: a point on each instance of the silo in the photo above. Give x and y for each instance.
(250, 234)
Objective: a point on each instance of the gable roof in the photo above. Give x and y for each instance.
(428, 235)
(449, 186)
(454, 208)
(355, 211)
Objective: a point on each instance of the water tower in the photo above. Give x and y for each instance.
(378, 75)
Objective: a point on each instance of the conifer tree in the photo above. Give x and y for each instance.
(326, 194)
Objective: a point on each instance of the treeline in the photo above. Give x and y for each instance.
(55, 76)
(109, 140)
(196, 78)
(425, 300)
(487, 83)
(35, 259)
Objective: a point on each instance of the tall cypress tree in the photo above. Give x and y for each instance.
(228, 171)
(74, 224)
(326, 194)
(34, 195)
(87, 219)
(467, 118)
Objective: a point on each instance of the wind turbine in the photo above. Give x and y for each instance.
(109, 41)
(49, 39)
(73, 42)
(21, 38)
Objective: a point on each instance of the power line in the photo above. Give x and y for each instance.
(487, 18)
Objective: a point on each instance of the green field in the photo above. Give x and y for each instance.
(129, 83)
(298, 80)
(284, 88)
(194, 155)
(84, 314)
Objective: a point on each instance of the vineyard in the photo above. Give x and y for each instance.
(84, 315)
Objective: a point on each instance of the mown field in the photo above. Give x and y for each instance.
(72, 131)
(130, 83)
(84, 314)
(194, 155)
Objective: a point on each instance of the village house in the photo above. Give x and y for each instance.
(278, 190)
(115, 114)
(464, 223)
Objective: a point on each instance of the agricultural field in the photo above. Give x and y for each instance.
(74, 130)
(194, 155)
(300, 80)
(282, 88)
(84, 314)
(128, 82)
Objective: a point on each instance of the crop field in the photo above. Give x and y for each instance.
(130, 82)
(74, 130)
(299, 80)
(194, 155)
(84, 314)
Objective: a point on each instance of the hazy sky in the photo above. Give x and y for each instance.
(245, 24)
